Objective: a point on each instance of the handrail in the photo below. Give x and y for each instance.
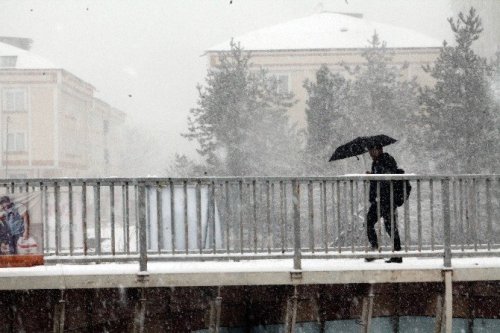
(246, 179)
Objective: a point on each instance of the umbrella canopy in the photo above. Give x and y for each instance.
(360, 146)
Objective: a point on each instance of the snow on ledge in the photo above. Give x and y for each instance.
(247, 266)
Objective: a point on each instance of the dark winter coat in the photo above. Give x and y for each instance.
(384, 164)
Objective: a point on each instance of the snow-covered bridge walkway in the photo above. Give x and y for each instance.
(246, 272)
(196, 222)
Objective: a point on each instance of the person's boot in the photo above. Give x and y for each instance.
(371, 259)
(397, 260)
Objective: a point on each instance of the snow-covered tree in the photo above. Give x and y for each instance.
(241, 121)
(458, 113)
(327, 119)
(183, 166)
(382, 100)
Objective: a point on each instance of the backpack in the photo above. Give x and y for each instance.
(399, 196)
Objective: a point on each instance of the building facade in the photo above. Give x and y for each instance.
(293, 51)
(51, 123)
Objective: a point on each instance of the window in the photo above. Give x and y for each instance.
(14, 100)
(16, 142)
(106, 156)
(8, 61)
(105, 126)
(283, 83)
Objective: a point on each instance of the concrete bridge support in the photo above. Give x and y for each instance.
(438, 325)
(59, 313)
(448, 300)
(215, 313)
(140, 312)
(367, 312)
(291, 312)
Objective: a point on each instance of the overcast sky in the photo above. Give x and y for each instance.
(146, 57)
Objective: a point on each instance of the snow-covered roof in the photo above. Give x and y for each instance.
(327, 30)
(25, 59)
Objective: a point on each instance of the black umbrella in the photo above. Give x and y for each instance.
(360, 145)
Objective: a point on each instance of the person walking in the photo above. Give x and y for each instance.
(383, 163)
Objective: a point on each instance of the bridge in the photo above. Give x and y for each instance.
(288, 232)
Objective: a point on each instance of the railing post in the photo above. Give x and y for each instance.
(97, 217)
(143, 259)
(445, 193)
(70, 217)
(296, 225)
(112, 216)
(57, 219)
(488, 213)
(172, 215)
(84, 218)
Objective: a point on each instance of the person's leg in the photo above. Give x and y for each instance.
(13, 244)
(397, 240)
(371, 219)
(387, 225)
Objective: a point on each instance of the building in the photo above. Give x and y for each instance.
(51, 123)
(293, 51)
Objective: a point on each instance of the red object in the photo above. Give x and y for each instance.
(26, 246)
(21, 260)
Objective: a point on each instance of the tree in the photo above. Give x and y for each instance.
(241, 121)
(183, 166)
(458, 112)
(327, 119)
(382, 101)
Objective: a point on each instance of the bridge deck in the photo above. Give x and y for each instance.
(245, 272)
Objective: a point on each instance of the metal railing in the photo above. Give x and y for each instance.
(151, 219)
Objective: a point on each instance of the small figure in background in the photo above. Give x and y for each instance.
(17, 219)
(5, 236)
